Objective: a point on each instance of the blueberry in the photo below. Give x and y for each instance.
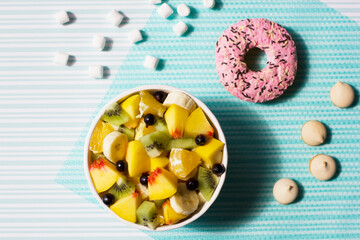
(144, 179)
(218, 169)
(192, 184)
(149, 119)
(160, 96)
(108, 199)
(200, 140)
(121, 166)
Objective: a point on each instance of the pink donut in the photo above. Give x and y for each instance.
(270, 82)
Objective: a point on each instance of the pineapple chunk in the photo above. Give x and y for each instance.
(126, 207)
(171, 217)
(103, 174)
(211, 152)
(175, 118)
(183, 162)
(137, 159)
(161, 184)
(148, 104)
(131, 107)
(197, 123)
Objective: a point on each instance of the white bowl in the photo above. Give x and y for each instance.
(218, 134)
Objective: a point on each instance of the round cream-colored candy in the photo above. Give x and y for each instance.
(313, 133)
(342, 95)
(285, 191)
(322, 167)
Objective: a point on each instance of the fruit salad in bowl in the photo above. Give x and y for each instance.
(156, 157)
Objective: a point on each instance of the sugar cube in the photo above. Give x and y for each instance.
(135, 36)
(114, 17)
(62, 17)
(183, 10)
(99, 42)
(151, 62)
(61, 58)
(180, 28)
(164, 10)
(96, 71)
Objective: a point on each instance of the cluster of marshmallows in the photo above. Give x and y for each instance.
(98, 41)
(115, 18)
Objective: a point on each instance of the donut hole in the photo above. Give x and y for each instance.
(255, 59)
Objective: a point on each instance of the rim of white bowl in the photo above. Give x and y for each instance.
(220, 136)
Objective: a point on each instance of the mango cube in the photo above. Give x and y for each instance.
(137, 159)
(197, 123)
(211, 152)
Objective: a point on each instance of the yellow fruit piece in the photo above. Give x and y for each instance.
(171, 217)
(211, 152)
(100, 131)
(103, 174)
(137, 159)
(175, 118)
(197, 123)
(183, 162)
(131, 107)
(161, 162)
(161, 184)
(142, 130)
(126, 207)
(148, 104)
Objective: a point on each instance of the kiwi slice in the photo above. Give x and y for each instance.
(130, 133)
(147, 214)
(115, 115)
(155, 143)
(122, 188)
(185, 143)
(161, 126)
(207, 182)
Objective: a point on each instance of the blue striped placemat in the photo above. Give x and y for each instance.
(263, 139)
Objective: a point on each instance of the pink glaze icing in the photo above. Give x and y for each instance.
(270, 82)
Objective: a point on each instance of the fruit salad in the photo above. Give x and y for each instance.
(155, 159)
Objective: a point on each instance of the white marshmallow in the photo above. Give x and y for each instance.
(96, 71)
(151, 62)
(99, 42)
(62, 17)
(209, 3)
(114, 17)
(164, 10)
(183, 10)
(154, 1)
(180, 28)
(135, 36)
(61, 58)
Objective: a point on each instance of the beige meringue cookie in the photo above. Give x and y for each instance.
(322, 167)
(313, 133)
(285, 191)
(342, 95)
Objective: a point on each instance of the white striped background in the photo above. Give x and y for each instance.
(44, 108)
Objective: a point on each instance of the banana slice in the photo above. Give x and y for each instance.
(114, 146)
(180, 99)
(184, 201)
